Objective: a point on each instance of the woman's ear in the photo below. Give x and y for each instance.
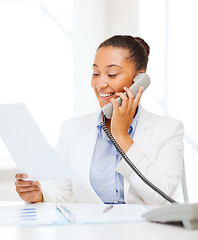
(141, 71)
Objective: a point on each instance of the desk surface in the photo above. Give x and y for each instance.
(141, 230)
(135, 230)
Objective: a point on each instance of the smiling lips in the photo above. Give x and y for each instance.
(105, 96)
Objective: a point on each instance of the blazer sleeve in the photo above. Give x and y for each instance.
(59, 190)
(161, 164)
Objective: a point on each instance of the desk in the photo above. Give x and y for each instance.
(135, 230)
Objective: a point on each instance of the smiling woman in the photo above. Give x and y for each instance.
(110, 65)
(112, 72)
(154, 143)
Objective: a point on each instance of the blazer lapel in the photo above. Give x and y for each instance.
(143, 130)
(89, 142)
(141, 138)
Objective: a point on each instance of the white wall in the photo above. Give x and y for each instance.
(122, 17)
(169, 27)
(100, 20)
(183, 80)
(36, 68)
(88, 30)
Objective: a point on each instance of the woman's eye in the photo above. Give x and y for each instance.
(95, 74)
(112, 75)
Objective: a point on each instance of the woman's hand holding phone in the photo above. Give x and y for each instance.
(29, 191)
(123, 116)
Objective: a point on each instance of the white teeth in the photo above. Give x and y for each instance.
(105, 94)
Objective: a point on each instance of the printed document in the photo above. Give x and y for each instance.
(31, 214)
(28, 147)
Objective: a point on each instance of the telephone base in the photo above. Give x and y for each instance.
(185, 213)
(190, 224)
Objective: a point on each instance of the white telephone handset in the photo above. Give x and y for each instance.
(142, 79)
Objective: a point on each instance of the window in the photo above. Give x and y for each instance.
(169, 27)
(37, 62)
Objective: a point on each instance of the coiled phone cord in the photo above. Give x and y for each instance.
(135, 169)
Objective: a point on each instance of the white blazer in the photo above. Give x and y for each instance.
(157, 152)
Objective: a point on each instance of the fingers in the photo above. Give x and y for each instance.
(135, 101)
(29, 191)
(26, 186)
(124, 98)
(20, 183)
(115, 105)
(32, 196)
(129, 102)
(138, 95)
(130, 98)
(21, 176)
(130, 94)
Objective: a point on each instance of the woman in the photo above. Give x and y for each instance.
(153, 143)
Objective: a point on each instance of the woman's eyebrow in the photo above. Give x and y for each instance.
(113, 65)
(108, 66)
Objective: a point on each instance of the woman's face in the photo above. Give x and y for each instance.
(112, 70)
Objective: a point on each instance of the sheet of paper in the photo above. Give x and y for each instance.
(93, 213)
(31, 214)
(27, 145)
(47, 214)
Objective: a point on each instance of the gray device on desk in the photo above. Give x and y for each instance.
(187, 213)
(142, 79)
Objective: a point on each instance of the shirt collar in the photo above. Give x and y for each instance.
(99, 120)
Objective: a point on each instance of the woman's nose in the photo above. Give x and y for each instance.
(102, 82)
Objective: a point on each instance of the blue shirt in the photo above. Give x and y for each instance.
(107, 183)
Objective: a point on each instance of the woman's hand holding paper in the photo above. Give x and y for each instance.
(29, 191)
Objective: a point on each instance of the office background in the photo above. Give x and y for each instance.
(47, 49)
